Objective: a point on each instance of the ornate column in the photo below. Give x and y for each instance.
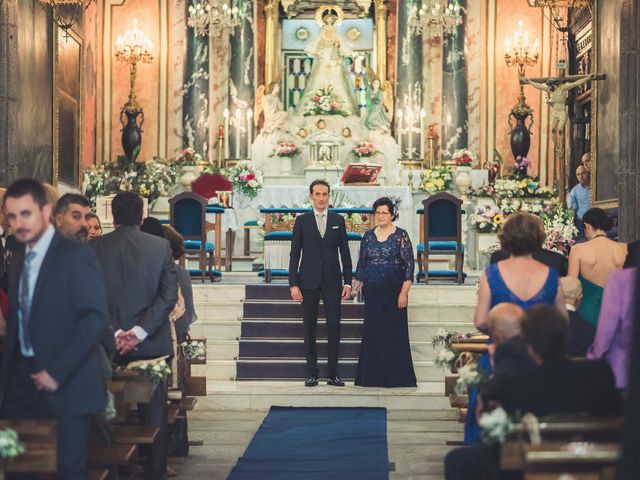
(454, 89)
(381, 39)
(241, 80)
(408, 78)
(195, 104)
(271, 39)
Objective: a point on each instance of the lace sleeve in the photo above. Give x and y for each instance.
(406, 256)
(362, 259)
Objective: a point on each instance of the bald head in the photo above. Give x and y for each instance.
(582, 175)
(504, 321)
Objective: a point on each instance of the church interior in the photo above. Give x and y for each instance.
(471, 129)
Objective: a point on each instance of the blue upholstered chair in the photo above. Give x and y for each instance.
(441, 235)
(188, 216)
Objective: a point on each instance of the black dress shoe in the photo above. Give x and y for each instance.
(312, 381)
(335, 381)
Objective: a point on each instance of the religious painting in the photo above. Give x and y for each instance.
(605, 136)
(68, 101)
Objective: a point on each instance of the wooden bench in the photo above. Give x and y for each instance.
(39, 438)
(112, 456)
(135, 434)
(188, 403)
(99, 474)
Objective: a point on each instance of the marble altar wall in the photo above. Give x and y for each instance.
(474, 54)
(175, 77)
(89, 89)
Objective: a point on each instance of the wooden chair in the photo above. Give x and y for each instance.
(188, 216)
(442, 235)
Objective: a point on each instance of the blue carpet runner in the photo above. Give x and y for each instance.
(317, 443)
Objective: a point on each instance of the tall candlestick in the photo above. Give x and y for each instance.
(226, 133)
(238, 134)
(399, 132)
(423, 115)
(249, 132)
(410, 119)
(220, 160)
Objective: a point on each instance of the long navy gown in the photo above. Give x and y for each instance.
(385, 353)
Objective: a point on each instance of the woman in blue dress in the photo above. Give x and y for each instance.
(385, 270)
(519, 279)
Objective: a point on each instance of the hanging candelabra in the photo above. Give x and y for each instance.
(66, 13)
(132, 48)
(211, 17)
(436, 18)
(553, 10)
(520, 53)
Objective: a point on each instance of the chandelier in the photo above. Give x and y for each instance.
(554, 10)
(67, 12)
(437, 18)
(209, 17)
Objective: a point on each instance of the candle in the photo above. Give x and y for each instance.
(410, 118)
(226, 133)
(423, 115)
(399, 132)
(249, 132)
(430, 132)
(238, 134)
(220, 161)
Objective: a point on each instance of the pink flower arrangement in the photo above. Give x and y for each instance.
(286, 149)
(189, 157)
(464, 158)
(364, 150)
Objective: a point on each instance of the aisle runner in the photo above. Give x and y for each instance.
(317, 443)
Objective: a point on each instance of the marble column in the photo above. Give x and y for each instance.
(454, 89)
(409, 78)
(629, 142)
(195, 107)
(241, 79)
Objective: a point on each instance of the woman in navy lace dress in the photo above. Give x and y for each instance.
(385, 270)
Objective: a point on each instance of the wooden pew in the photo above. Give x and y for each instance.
(39, 438)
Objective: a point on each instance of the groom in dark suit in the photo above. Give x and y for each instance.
(58, 301)
(318, 235)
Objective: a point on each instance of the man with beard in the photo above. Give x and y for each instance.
(70, 216)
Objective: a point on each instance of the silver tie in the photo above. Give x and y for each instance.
(322, 224)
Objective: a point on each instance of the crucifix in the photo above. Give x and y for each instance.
(557, 91)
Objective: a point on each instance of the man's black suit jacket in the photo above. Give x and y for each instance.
(581, 334)
(546, 257)
(510, 359)
(68, 317)
(320, 265)
(142, 286)
(563, 386)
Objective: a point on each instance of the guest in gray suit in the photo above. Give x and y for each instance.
(142, 289)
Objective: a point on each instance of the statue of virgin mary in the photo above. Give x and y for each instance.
(329, 70)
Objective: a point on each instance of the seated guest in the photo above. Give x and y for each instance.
(152, 226)
(579, 198)
(613, 336)
(95, 226)
(556, 386)
(591, 262)
(183, 324)
(581, 333)
(70, 216)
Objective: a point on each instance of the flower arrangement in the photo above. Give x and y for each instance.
(325, 102)
(445, 358)
(364, 150)
(193, 349)
(468, 376)
(496, 425)
(10, 444)
(521, 166)
(99, 180)
(560, 231)
(246, 178)
(188, 157)
(487, 219)
(444, 338)
(535, 206)
(464, 158)
(285, 149)
(155, 370)
(437, 179)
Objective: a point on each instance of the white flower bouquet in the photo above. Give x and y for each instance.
(496, 425)
(445, 358)
(468, 375)
(155, 370)
(560, 231)
(246, 178)
(325, 102)
(10, 444)
(194, 349)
